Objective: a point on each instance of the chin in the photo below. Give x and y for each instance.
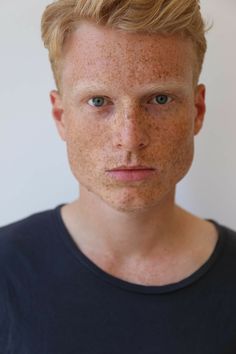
(132, 204)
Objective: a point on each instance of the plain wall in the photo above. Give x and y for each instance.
(35, 174)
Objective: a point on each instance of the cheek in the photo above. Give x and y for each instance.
(181, 134)
(174, 143)
(180, 130)
(84, 144)
(181, 149)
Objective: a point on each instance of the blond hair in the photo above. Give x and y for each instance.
(154, 16)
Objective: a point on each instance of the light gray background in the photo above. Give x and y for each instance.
(35, 174)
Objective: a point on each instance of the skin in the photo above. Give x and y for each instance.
(128, 227)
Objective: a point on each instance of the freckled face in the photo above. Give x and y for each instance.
(128, 99)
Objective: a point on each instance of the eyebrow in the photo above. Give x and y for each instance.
(89, 87)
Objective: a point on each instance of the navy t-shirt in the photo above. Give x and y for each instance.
(55, 300)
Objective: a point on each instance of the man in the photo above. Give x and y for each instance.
(122, 269)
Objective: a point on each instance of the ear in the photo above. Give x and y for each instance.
(200, 108)
(58, 113)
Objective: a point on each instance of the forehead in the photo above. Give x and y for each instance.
(125, 59)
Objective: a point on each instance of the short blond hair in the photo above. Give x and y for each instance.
(62, 17)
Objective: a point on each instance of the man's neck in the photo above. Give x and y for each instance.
(142, 250)
(97, 227)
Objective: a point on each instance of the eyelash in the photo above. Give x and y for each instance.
(158, 104)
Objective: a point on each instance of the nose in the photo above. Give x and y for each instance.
(130, 130)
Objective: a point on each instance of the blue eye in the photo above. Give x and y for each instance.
(97, 101)
(162, 99)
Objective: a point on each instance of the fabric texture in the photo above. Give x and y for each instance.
(55, 300)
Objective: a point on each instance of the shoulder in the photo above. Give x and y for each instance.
(24, 228)
(228, 237)
(24, 225)
(19, 244)
(224, 256)
(21, 239)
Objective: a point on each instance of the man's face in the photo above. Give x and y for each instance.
(128, 99)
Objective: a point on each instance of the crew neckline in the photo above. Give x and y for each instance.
(129, 286)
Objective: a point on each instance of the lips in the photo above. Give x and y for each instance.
(132, 168)
(131, 173)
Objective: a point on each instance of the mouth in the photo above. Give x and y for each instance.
(135, 173)
(132, 168)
